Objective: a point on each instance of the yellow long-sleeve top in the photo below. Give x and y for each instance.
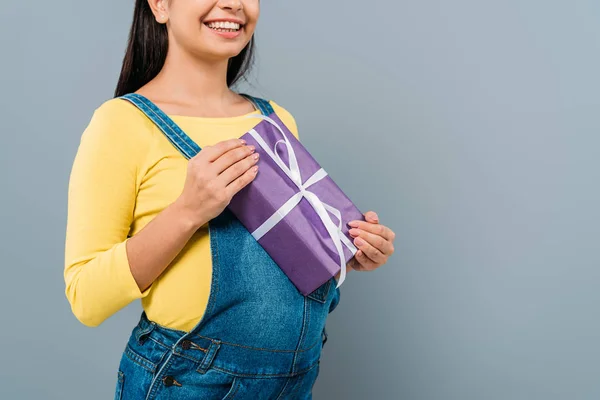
(126, 172)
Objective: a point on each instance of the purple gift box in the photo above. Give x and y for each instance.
(294, 209)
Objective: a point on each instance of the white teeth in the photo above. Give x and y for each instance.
(224, 25)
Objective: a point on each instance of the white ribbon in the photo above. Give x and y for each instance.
(322, 209)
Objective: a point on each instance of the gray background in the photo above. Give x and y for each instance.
(470, 126)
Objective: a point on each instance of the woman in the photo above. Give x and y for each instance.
(148, 220)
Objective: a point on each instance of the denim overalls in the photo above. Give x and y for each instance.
(259, 337)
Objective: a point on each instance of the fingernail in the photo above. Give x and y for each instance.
(252, 148)
(353, 224)
(354, 232)
(358, 241)
(376, 217)
(242, 141)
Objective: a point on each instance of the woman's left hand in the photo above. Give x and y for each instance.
(375, 243)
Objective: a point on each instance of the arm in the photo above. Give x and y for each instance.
(104, 269)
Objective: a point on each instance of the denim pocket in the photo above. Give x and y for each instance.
(120, 383)
(235, 386)
(213, 384)
(336, 300)
(134, 376)
(140, 360)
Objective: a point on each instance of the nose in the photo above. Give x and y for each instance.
(234, 5)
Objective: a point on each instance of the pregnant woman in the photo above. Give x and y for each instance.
(147, 219)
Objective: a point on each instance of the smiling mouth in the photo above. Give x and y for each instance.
(224, 26)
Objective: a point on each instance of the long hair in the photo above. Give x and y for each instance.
(147, 50)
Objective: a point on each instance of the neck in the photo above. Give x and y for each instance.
(194, 81)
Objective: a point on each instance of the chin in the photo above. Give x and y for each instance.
(220, 52)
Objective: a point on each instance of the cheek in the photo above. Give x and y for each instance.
(185, 22)
(186, 15)
(249, 29)
(251, 24)
(252, 10)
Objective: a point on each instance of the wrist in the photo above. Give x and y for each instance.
(188, 220)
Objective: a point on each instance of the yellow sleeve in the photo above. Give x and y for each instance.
(286, 118)
(101, 197)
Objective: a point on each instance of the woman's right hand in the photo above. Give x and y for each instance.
(214, 176)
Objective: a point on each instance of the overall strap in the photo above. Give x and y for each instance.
(172, 131)
(261, 105)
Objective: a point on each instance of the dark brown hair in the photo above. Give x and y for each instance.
(147, 50)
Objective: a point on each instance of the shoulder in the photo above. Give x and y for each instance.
(117, 133)
(118, 121)
(118, 112)
(286, 117)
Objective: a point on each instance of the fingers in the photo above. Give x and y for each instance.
(378, 242)
(241, 182)
(237, 169)
(376, 229)
(374, 254)
(373, 240)
(372, 217)
(231, 157)
(364, 261)
(214, 152)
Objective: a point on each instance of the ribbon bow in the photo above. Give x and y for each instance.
(322, 209)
